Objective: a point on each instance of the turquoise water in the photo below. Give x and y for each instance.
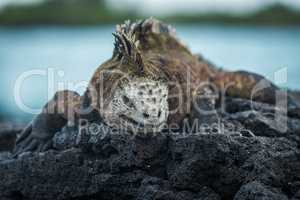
(78, 51)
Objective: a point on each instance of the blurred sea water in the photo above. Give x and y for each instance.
(74, 53)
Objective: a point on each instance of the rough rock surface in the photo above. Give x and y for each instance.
(8, 133)
(99, 163)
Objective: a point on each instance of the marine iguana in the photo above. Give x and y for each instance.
(151, 79)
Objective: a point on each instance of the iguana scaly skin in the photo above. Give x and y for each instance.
(150, 80)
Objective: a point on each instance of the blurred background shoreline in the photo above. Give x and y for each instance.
(99, 12)
(75, 36)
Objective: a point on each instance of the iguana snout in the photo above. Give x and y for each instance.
(139, 104)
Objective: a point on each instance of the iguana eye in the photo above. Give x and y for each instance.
(127, 101)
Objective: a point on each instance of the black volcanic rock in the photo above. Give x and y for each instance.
(100, 163)
(8, 134)
(256, 191)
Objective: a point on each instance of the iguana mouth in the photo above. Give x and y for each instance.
(138, 124)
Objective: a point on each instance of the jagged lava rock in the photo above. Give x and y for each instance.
(105, 164)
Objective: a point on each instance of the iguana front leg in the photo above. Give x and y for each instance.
(37, 136)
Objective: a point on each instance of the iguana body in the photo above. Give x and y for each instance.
(151, 79)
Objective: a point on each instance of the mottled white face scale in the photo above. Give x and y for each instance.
(140, 105)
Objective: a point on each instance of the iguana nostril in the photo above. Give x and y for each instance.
(146, 115)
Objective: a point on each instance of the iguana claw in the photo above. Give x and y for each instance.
(28, 142)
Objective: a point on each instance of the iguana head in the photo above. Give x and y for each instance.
(139, 105)
(135, 90)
